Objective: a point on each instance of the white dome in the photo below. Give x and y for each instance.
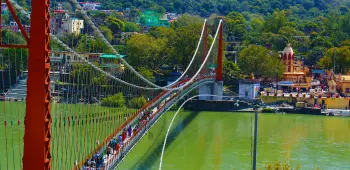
(288, 50)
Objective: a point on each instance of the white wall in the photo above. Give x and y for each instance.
(248, 91)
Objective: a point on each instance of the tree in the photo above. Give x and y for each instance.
(13, 58)
(342, 59)
(345, 43)
(259, 61)
(114, 24)
(235, 23)
(187, 19)
(67, 6)
(276, 21)
(120, 49)
(183, 45)
(98, 17)
(321, 41)
(316, 54)
(159, 9)
(257, 23)
(71, 40)
(147, 73)
(307, 4)
(137, 103)
(231, 74)
(290, 32)
(116, 100)
(278, 41)
(146, 51)
(107, 33)
(92, 45)
(131, 27)
(162, 32)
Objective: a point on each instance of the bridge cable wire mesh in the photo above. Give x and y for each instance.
(12, 107)
(55, 38)
(81, 127)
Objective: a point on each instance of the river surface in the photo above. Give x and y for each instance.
(217, 140)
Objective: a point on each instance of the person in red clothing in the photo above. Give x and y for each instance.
(124, 135)
(117, 146)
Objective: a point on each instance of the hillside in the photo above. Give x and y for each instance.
(207, 7)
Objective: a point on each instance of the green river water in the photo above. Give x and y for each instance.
(216, 140)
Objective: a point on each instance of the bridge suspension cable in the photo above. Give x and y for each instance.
(100, 35)
(91, 105)
(98, 32)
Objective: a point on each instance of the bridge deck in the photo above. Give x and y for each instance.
(165, 102)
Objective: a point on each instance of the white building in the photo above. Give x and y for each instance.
(90, 5)
(249, 89)
(72, 25)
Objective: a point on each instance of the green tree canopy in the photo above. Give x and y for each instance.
(341, 56)
(13, 58)
(137, 102)
(131, 27)
(186, 38)
(259, 61)
(231, 75)
(236, 24)
(115, 24)
(146, 51)
(107, 33)
(187, 19)
(116, 100)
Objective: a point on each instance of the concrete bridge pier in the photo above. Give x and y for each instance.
(211, 89)
(218, 89)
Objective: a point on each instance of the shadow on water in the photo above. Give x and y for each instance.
(154, 155)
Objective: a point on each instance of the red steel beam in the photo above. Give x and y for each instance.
(13, 46)
(219, 68)
(24, 34)
(37, 135)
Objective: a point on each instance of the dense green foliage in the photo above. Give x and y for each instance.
(302, 8)
(317, 30)
(258, 61)
(107, 33)
(173, 46)
(137, 102)
(340, 55)
(13, 58)
(131, 27)
(231, 74)
(115, 24)
(116, 100)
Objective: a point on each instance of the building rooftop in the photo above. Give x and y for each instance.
(112, 56)
(288, 50)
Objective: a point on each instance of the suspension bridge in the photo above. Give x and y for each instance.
(76, 114)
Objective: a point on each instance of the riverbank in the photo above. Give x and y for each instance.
(233, 106)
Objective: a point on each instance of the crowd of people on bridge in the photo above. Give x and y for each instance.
(116, 144)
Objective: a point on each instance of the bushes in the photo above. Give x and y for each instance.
(285, 166)
(137, 102)
(116, 100)
(268, 110)
(281, 166)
